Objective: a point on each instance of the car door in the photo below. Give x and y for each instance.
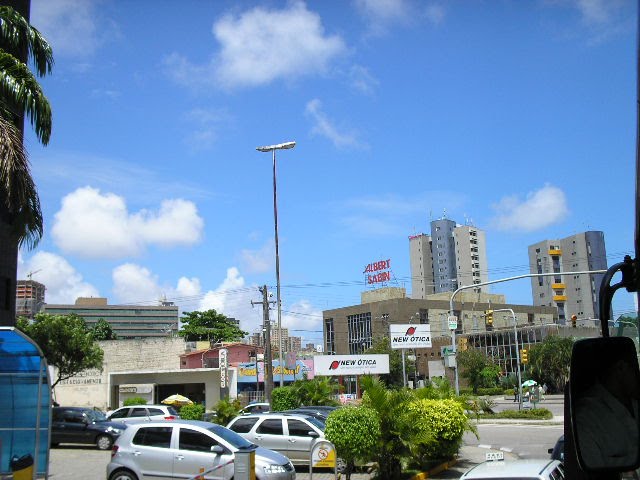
(193, 455)
(299, 441)
(75, 427)
(269, 433)
(151, 449)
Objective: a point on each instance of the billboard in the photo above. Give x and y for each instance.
(350, 364)
(410, 336)
(247, 371)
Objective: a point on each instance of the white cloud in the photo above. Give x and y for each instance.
(91, 224)
(259, 261)
(435, 13)
(325, 128)
(303, 320)
(596, 11)
(63, 283)
(203, 128)
(260, 46)
(362, 80)
(385, 11)
(135, 284)
(68, 25)
(540, 209)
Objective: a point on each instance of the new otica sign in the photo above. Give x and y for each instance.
(350, 364)
(410, 336)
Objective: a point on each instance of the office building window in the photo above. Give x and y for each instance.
(424, 316)
(359, 332)
(330, 339)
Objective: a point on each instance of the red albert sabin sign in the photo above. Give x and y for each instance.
(382, 276)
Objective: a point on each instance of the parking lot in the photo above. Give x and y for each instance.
(88, 463)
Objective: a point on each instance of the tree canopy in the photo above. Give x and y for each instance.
(209, 325)
(477, 368)
(65, 341)
(549, 361)
(102, 330)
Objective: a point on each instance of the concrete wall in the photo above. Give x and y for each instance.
(91, 388)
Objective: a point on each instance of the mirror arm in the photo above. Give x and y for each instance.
(628, 268)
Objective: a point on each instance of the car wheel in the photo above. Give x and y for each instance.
(104, 442)
(123, 475)
(341, 465)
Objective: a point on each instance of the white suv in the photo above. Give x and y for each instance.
(143, 413)
(184, 448)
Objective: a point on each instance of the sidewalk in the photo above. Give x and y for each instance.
(467, 458)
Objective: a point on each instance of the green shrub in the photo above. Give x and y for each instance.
(529, 414)
(355, 432)
(192, 412)
(284, 398)
(446, 421)
(226, 410)
(134, 401)
(491, 391)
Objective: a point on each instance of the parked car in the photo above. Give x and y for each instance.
(256, 407)
(181, 448)
(557, 452)
(320, 412)
(144, 413)
(83, 425)
(523, 469)
(290, 434)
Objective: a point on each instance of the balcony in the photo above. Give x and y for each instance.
(555, 251)
(558, 286)
(559, 298)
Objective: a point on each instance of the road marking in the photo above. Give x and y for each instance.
(484, 446)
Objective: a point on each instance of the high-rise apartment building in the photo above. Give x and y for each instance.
(572, 294)
(29, 298)
(452, 256)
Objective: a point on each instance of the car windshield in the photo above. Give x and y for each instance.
(96, 416)
(232, 438)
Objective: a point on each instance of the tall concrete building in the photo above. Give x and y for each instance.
(571, 294)
(29, 298)
(127, 321)
(452, 256)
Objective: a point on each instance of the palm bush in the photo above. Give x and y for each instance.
(226, 410)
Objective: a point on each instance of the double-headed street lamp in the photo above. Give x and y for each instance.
(272, 149)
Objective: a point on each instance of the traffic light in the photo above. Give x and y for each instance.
(488, 314)
(574, 319)
(462, 344)
(524, 356)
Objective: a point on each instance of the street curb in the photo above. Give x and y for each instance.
(435, 470)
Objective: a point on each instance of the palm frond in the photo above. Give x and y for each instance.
(18, 192)
(22, 92)
(18, 36)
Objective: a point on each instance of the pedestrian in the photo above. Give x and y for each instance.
(516, 394)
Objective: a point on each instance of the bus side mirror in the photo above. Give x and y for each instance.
(604, 399)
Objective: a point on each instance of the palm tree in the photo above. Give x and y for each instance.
(20, 94)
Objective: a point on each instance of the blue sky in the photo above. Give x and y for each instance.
(519, 116)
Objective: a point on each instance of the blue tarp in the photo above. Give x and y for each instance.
(25, 402)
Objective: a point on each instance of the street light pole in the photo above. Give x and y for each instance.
(272, 149)
(515, 331)
(476, 285)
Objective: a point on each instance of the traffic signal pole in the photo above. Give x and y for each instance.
(491, 282)
(515, 331)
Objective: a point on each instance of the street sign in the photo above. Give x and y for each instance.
(453, 322)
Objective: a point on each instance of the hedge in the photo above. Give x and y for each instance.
(284, 398)
(530, 414)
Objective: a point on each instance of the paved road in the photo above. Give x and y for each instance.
(87, 463)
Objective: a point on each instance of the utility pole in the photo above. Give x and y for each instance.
(266, 328)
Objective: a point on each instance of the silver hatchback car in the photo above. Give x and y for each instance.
(290, 434)
(143, 413)
(184, 448)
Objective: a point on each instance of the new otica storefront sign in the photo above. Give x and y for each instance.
(410, 336)
(350, 364)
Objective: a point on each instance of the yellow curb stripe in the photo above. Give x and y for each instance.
(435, 470)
